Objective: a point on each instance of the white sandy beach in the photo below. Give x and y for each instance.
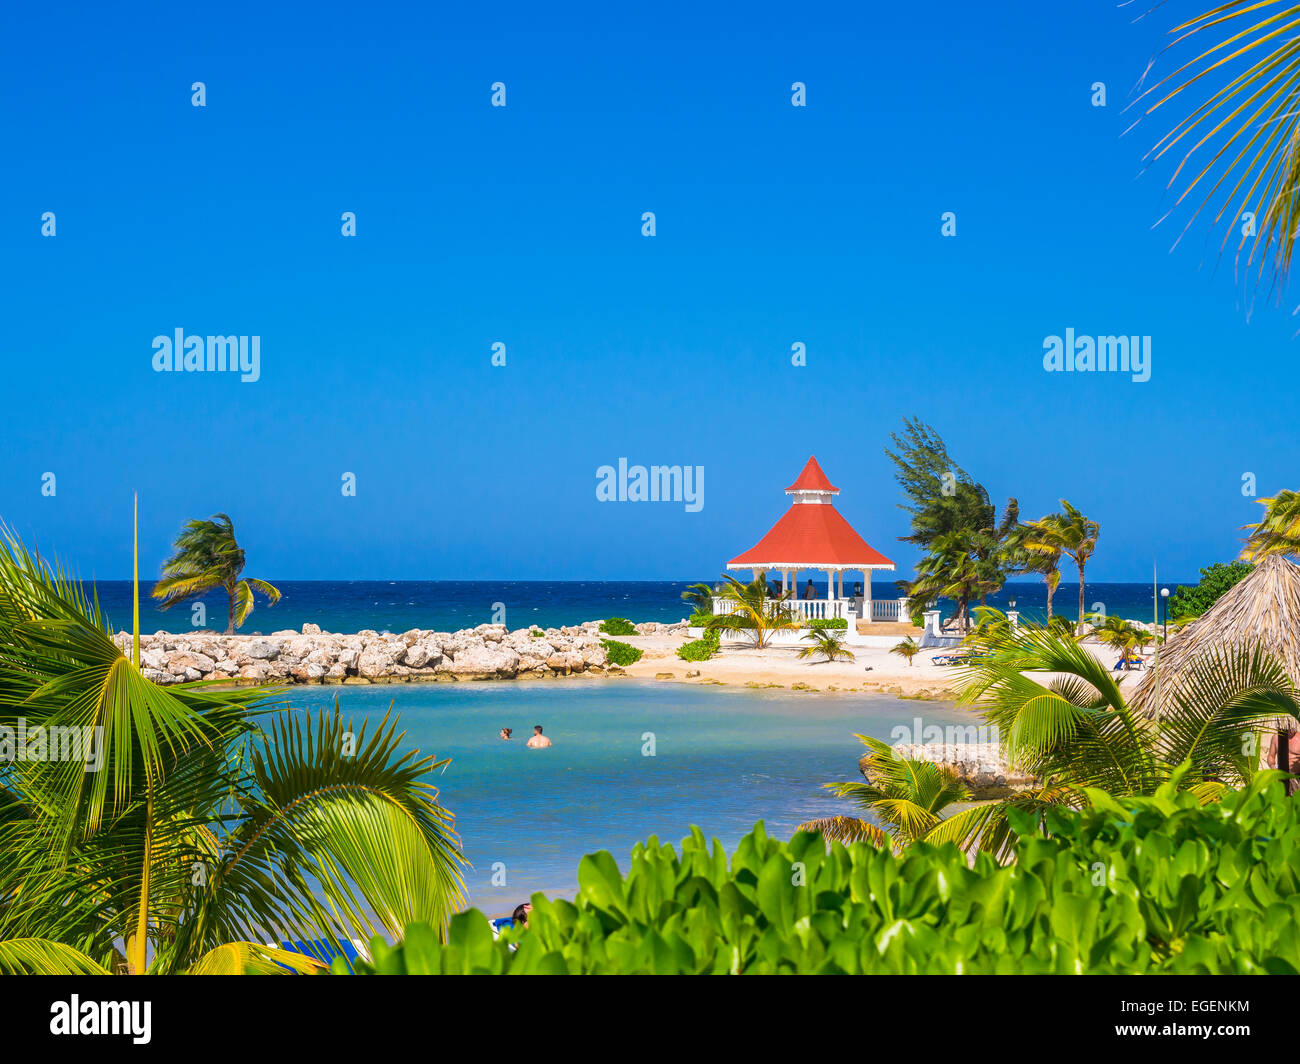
(873, 669)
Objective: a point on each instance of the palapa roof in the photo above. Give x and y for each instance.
(811, 535)
(1262, 610)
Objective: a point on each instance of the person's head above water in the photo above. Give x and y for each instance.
(506, 733)
(537, 729)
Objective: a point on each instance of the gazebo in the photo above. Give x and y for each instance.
(813, 535)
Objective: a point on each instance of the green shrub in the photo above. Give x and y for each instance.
(700, 649)
(828, 623)
(537, 633)
(1215, 580)
(699, 620)
(618, 626)
(620, 653)
(1158, 885)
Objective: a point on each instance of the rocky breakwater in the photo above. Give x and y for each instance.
(983, 767)
(488, 652)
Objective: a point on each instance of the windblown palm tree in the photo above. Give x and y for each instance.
(907, 648)
(1043, 547)
(751, 611)
(906, 796)
(1069, 533)
(953, 569)
(700, 597)
(202, 834)
(1279, 530)
(207, 557)
(827, 644)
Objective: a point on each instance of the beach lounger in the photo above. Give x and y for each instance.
(321, 950)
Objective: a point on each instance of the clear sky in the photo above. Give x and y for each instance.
(522, 225)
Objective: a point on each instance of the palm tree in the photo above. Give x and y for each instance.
(906, 796)
(1078, 732)
(827, 644)
(700, 597)
(1279, 530)
(908, 649)
(1043, 549)
(206, 557)
(956, 569)
(1247, 131)
(1119, 634)
(751, 612)
(1069, 533)
(213, 822)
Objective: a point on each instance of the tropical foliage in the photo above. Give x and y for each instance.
(907, 796)
(907, 648)
(1243, 135)
(1065, 534)
(207, 557)
(1119, 634)
(1279, 530)
(1216, 579)
(617, 626)
(825, 644)
(1159, 884)
(752, 612)
(969, 550)
(207, 824)
(699, 649)
(700, 598)
(619, 653)
(1077, 733)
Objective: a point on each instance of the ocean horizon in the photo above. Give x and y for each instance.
(449, 605)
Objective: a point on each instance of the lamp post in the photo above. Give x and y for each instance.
(1164, 602)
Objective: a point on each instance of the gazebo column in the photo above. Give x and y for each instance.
(866, 595)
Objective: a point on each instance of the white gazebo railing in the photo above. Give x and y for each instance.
(831, 609)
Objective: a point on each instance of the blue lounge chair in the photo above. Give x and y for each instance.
(321, 950)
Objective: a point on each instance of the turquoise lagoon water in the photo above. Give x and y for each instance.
(724, 758)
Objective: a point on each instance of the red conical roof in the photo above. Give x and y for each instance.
(813, 479)
(811, 535)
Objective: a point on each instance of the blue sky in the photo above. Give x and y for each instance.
(522, 225)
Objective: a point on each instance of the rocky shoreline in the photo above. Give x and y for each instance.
(488, 652)
(983, 767)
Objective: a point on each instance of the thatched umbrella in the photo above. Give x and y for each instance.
(1263, 610)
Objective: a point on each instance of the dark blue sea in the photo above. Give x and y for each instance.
(446, 605)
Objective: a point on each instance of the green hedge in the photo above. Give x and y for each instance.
(1156, 884)
(620, 653)
(839, 623)
(700, 649)
(618, 626)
